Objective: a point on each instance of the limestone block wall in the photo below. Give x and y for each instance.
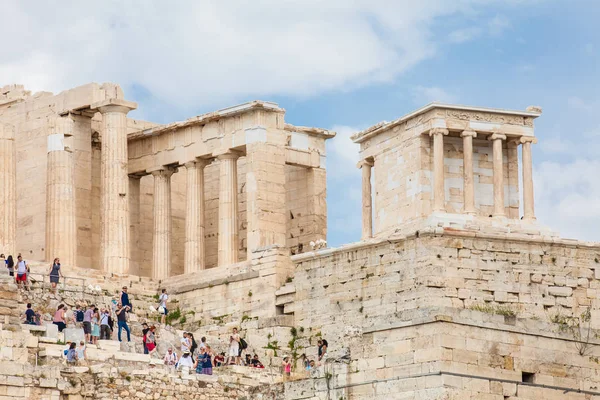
(361, 296)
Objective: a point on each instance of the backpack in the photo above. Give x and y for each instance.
(243, 344)
(79, 315)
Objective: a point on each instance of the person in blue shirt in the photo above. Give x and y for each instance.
(30, 315)
(125, 299)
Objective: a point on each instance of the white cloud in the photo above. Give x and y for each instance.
(464, 35)
(191, 52)
(422, 95)
(498, 24)
(568, 197)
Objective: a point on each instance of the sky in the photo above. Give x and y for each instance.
(339, 64)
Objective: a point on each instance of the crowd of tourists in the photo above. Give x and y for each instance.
(98, 323)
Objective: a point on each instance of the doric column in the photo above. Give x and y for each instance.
(161, 246)
(134, 223)
(194, 217)
(228, 208)
(8, 192)
(61, 229)
(498, 164)
(114, 183)
(468, 187)
(367, 199)
(438, 168)
(528, 204)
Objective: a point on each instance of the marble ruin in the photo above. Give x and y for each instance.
(454, 291)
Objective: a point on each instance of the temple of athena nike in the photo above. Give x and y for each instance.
(453, 292)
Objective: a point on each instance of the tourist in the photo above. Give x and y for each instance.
(30, 315)
(311, 365)
(88, 315)
(185, 361)
(69, 316)
(125, 299)
(204, 363)
(145, 330)
(202, 342)
(81, 352)
(248, 360)
(304, 360)
(55, 273)
(22, 269)
(151, 340)
(194, 345)
(286, 366)
(322, 343)
(79, 315)
(95, 326)
(256, 362)
(59, 318)
(10, 265)
(234, 348)
(122, 321)
(220, 360)
(170, 358)
(105, 331)
(162, 306)
(72, 353)
(186, 343)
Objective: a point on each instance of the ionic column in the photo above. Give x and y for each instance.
(161, 246)
(61, 224)
(114, 183)
(194, 217)
(468, 187)
(528, 203)
(228, 208)
(367, 200)
(498, 166)
(134, 223)
(8, 192)
(438, 168)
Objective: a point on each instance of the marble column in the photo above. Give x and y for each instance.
(228, 208)
(134, 223)
(468, 187)
(528, 204)
(61, 224)
(8, 193)
(498, 168)
(194, 216)
(367, 199)
(161, 246)
(114, 182)
(438, 169)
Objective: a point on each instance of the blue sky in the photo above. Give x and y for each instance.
(343, 65)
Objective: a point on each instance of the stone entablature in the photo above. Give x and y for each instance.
(445, 164)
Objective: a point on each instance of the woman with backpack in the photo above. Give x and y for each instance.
(10, 265)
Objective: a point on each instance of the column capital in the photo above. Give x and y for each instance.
(438, 131)
(134, 176)
(365, 163)
(226, 154)
(497, 136)
(468, 132)
(527, 139)
(164, 171)
(114, 105)
(196, 163)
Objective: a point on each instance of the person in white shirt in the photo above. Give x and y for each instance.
(170, 358)
(185, 361)
(186, 343)
(163, 303)
(22, 269)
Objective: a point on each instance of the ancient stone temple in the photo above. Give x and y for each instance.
(131, 197)
(454, 292)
